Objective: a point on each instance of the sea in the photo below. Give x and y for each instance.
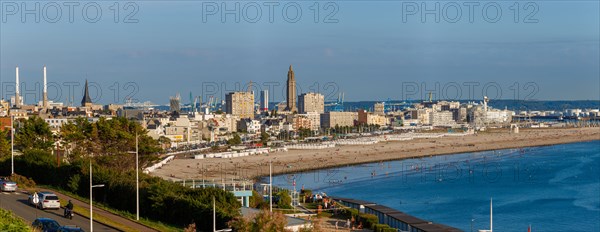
(550, 188)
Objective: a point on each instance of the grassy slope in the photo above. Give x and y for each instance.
(10, 222)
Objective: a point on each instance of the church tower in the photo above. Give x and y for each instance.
(291, 91)
(86, 101)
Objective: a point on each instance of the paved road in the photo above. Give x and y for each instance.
(17, 203)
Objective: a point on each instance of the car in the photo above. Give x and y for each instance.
(45, 224)
(70, 229)
(7, 186)
(45, 200)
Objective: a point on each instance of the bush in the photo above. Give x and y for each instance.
(383, 228)
(285, 201)
(23, 182)
(306, 195)
(350, 213)
(10, 222)
(256, 200)
(73, 183)
(369, 220)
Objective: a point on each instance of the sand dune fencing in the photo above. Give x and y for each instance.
(234, 154)
(310, 146)
(368, 141)
(159, 164)
(410, 136)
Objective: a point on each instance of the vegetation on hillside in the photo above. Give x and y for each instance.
(11, 223)
(110, 143)
(4, 142)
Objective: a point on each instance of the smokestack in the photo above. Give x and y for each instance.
(45, 96)
(17, 97)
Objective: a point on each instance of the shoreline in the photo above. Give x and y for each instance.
(256, 167)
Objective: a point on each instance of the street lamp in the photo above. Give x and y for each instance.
(271, 186)
(91, 187)
(12, 145)
(137, 179)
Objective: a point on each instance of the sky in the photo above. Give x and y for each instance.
(367, 50)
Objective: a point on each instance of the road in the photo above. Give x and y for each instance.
(17, 203)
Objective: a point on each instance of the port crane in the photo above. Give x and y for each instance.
(337, 106)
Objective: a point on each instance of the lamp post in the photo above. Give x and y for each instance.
(12, 145)
(271, 186)
(214, 215)
(91, 187)
(137, 179)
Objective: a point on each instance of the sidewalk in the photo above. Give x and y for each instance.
(97, 211)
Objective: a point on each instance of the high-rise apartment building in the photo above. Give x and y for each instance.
(311, 102)
(240, 104)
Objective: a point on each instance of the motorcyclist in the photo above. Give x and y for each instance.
(69, 208)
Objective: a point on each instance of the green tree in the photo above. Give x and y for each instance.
(264, 138)
(235, 140)
(110, 140)
(257, 201)
(34, 133)
(4, 143)
(264, 221)
(164, 141)
(285, 201)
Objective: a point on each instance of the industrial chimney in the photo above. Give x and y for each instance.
(45, 97)
(17, 97)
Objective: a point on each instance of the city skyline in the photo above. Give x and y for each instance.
(409, 91)
(367, 55)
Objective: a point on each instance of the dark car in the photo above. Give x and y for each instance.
(70, 229)
(45, 224)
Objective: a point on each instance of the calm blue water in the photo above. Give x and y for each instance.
(553, 188)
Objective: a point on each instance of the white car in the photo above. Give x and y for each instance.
(44, 200)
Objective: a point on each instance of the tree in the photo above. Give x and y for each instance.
(109, 140)
(257, 201)
(34, 133)
(264, 138)
(285, 201)
(306, 194)
(164, 141)
(236, 140)
(264, 221)
(4, 143)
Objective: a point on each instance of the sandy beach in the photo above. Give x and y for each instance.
(298, 160)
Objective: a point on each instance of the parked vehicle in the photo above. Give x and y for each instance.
(7, 185)
(44, 200)
(45, 224)
(70, 229)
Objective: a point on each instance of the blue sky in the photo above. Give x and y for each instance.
(369, 54)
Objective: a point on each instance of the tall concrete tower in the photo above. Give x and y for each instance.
(45, 94)
(291, 91)
(17, 87)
